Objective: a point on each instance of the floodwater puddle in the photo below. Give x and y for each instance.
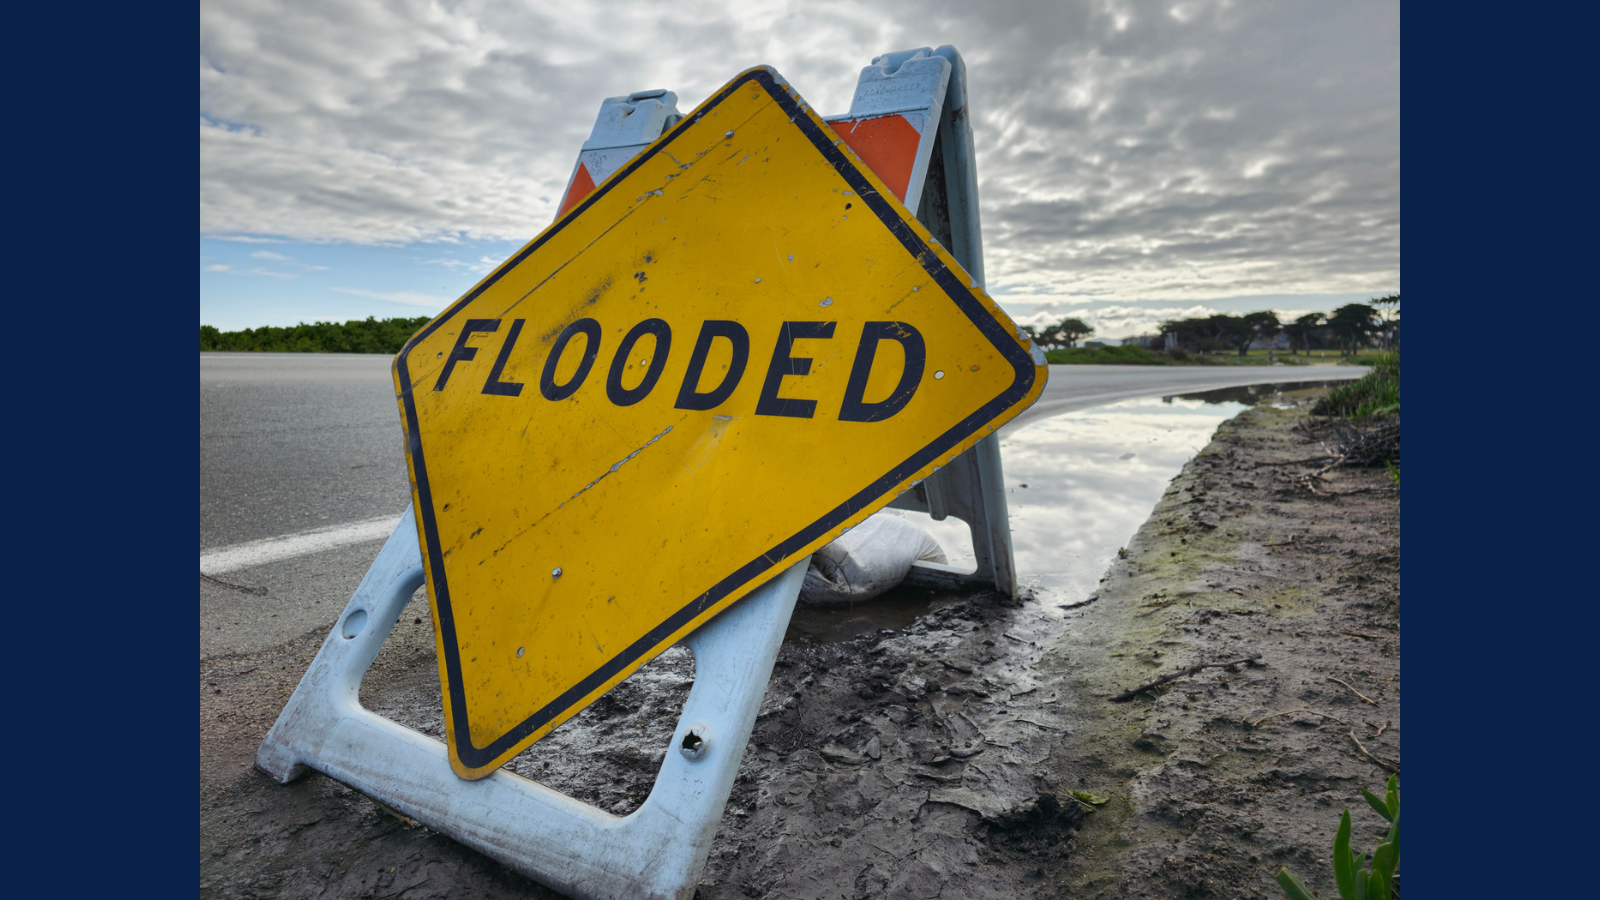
(894, 610)
(1255, 394)
(1078, 486)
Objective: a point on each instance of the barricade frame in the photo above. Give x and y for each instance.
(660, 849)
(657, 851)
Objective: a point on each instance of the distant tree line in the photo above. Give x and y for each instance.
(371, 335)
(1222, 332)
(1065, 333)
(1347, 329)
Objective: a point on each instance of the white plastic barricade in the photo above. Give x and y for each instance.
(927, 89)
(625, 126)
(909, 122)
(655, 852)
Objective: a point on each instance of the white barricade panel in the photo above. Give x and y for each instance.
(656, 852)
(909, 124)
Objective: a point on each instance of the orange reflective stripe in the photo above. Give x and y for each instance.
(582, 185)
(888, 144)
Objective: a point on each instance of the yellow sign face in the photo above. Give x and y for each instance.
(736, 348)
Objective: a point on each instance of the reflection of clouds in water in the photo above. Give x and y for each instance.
(1092, 478)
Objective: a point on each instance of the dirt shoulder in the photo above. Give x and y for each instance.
(1218, 779)
(927, 745)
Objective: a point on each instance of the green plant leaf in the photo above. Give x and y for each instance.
(1384, 859)
(1374, 801)
(1378, 886)
(1394, 835)
(1361, 885)
(1343, 873)
(1092, 799)
(1293, 886)
(1392, 794)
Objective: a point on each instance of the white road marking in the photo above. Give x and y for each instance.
(288, 546)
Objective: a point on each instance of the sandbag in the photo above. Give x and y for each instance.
(867, 560)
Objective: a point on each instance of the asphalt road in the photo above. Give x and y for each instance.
(292, 444)
(295, 441)
(1079, 387)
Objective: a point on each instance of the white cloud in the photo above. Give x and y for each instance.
(229, 269)
(244, 238)
(483, 266)
(400, 297)
(268, 254)
(1124, 151)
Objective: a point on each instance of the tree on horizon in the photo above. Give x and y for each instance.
(1389, 313)
(1301, 330)
(1065, 333)
(1353, 323)
(1256, 325)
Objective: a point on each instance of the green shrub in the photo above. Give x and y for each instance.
(1376, 393)
(370, 335)
(1134, 355)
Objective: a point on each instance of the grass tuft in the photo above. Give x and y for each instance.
(1376, 393)
(1128, 355)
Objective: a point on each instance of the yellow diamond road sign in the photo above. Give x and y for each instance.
(739, 346)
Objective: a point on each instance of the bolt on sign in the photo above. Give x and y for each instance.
(736, 348)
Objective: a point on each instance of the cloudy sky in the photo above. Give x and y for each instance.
(1136, 161)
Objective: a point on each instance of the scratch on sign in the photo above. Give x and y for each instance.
(617, 465)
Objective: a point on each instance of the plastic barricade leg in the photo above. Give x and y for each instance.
(657, 851)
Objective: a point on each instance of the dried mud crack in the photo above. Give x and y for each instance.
(940, 758)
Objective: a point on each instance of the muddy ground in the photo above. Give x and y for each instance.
(929, 745)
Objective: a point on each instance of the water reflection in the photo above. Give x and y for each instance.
(1092, 478)
(1081, 483)
(1249, 394)
(1078, 485)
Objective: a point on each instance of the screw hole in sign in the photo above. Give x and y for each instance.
(696, 741)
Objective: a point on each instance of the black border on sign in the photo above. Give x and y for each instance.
(475, 757)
